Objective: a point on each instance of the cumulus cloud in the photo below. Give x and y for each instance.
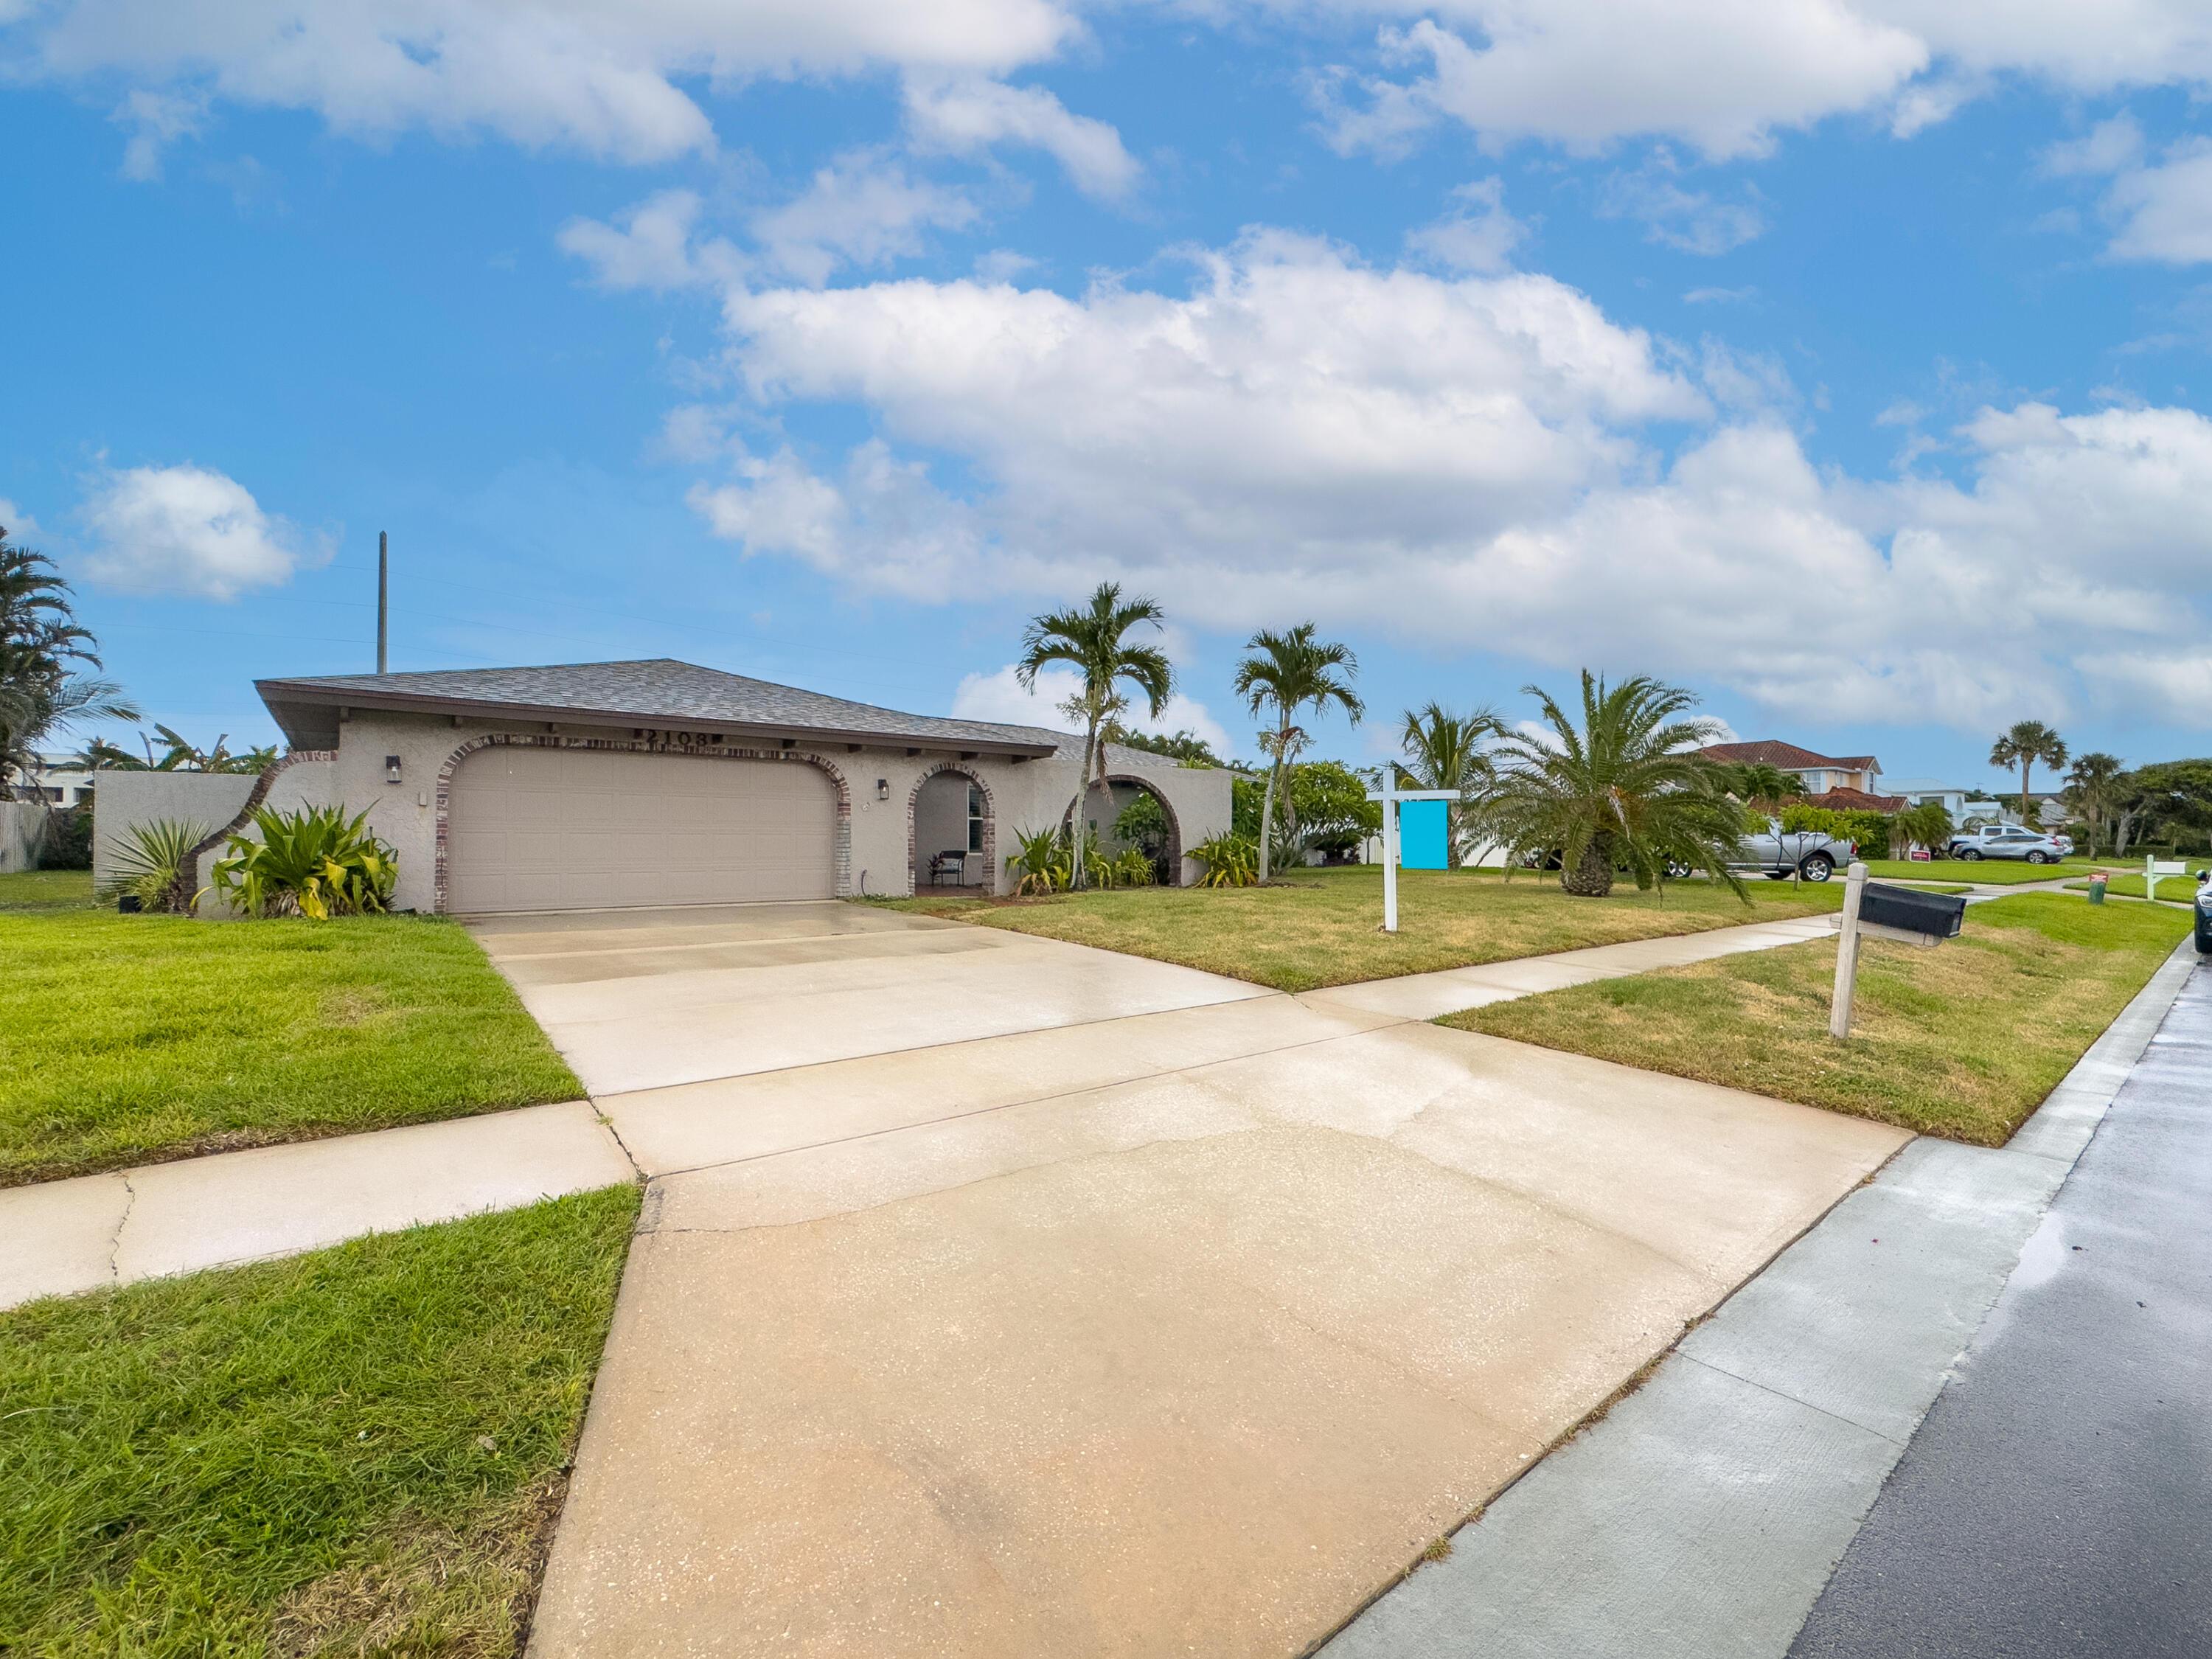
(650, 246)
(864, 209)
(965, 116)
(1724, 76)
(594, 76)
(1692, 220)
(1480, 463)
(1477, 235)
(999, 696)
(191, 530)
(15, 521)
(2158, 209)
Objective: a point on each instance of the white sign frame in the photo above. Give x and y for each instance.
(1390, 797)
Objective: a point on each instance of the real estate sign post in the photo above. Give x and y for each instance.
(1391, 798)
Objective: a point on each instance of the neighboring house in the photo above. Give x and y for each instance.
(1821, 773)
(631, 784)
(57, 781)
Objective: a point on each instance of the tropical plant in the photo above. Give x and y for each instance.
(154, 865)
(1229, 861)
(2092, 791)
(1143, 821)
(1245, 792)
(1764, 787)
(1623, 783)
(1043, 861)
(1444, 751)
(184, 756)
(1184, 748)
(1095, 642)
(1927, 825)
(41, 690)
(2024, 744)
(1132, 867)
(1287, 672)
(316, 863)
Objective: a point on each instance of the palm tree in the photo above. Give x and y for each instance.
(41, 691)
(1927, 825)
(1443, 750)
(1623, 781)
(1094, 642)
(2092, 789)
(2025, 743)
(1286, 672)
(1759, 785)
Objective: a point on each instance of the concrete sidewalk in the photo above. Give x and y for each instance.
(1701, 1518)
(930, 1056)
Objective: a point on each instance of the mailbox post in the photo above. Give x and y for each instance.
(1903, 914)
(2154, 868)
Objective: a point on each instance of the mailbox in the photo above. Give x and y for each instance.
(1910, 911)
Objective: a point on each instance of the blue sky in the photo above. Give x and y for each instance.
(1842, 359)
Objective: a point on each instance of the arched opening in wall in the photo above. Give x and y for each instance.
(951, 832)
(1128, 814)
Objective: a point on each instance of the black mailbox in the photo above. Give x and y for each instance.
(1912, 911)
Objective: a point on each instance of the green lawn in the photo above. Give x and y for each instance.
(1323, 927)
(357, 1451)
(132, 1038)
(2180, 889)
(46, 890)
(1987, 872)
(1962, 1040)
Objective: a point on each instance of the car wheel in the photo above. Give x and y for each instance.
(1971, 854)
(1819, 868)
(2038, 858)
(2204, 942)
(1777, 875)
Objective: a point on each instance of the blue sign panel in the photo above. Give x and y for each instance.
(1423, 843)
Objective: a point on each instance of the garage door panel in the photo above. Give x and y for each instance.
(537, 830)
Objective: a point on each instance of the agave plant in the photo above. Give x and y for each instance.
(1229, 861)
(317, 863)
(1043, 861)
(156, 867)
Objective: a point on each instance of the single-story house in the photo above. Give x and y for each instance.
(620, 784)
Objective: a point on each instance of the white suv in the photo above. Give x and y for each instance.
(2009, 841)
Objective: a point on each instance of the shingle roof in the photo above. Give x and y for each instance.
(1768, 752)
(656, 689)
(1855, 800)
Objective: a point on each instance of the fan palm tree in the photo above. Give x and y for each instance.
(2025, 742)
(2093, 790)
(1623, 781)
(1287, 672)
(1443, 750)
(1094, 641)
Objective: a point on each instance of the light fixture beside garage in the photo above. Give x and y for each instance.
(391, 769)
(883, 788)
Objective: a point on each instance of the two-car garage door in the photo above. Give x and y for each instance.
(577, 829)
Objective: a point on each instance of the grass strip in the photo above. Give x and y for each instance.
(128, 1039)
(2177, 890)
(1963, 1041)
(358, 1451)
(1323, 927)
(1982, 871)
(46, 890)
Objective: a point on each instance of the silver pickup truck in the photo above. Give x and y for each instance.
(1776, 852)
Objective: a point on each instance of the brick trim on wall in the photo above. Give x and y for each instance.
(1167, 807)
(842, 872)
(990, 848)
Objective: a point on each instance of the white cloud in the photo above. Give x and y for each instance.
(1718, 296)
(2160, 211)
(159, 118)
(15, 521)
(1724, 76)
(1479, 464)
(595, 76)
(187, 530)
(965, 116)
(862, 210)
(1478, 235)
(1691, 221)
(650, 247)
(999, 696)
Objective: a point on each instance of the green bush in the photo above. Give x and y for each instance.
(1230, 861)
(67, 845)
(157, 867)
(317, 864)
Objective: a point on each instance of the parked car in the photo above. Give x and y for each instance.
(2205, 915)
(1779, 854)
(2009, 841)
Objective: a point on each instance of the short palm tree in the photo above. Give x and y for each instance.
(1760, 784)
(2025, 743)
(1287, 672)
(2093, 790)
(1927, 825)
(1094, 641)
(1623, 781)
(1444, 751)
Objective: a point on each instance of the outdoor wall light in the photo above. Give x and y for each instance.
(883, 788)
(391, 769)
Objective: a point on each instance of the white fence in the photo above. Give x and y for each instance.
(23, 831)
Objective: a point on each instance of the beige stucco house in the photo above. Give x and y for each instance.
(619, 784)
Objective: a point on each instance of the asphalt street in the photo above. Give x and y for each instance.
(2057, 1498)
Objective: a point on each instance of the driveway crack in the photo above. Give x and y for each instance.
(115, 1240)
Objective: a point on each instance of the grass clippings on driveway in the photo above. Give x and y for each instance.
(1323, 927)
(357, 1451)
(1962, 1040)
(129, 1039)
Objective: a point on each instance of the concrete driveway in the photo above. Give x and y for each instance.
(995, 1296)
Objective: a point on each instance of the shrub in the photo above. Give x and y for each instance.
(1045, 862)
(317, 864)
(157, 867)
(1133, 868)
(67, 845)
(1231, 861)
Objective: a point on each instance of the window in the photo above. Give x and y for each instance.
(52, 794)
(975, 819)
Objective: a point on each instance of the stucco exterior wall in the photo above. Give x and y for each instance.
(22, 832)
(123, 799)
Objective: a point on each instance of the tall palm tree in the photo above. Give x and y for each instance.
(2025, 742)
(41, 692)
(1287, 672)
(1760, 784)
(1443, 750)
(1094, 641)
(2092, 789)
(1625, 779)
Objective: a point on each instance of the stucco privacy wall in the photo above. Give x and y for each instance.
(122, 800)
(301, 780)
(22, 830)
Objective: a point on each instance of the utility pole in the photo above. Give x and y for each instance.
(383, 593)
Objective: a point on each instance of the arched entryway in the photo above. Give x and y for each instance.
(951, 831)
(1127, 811)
